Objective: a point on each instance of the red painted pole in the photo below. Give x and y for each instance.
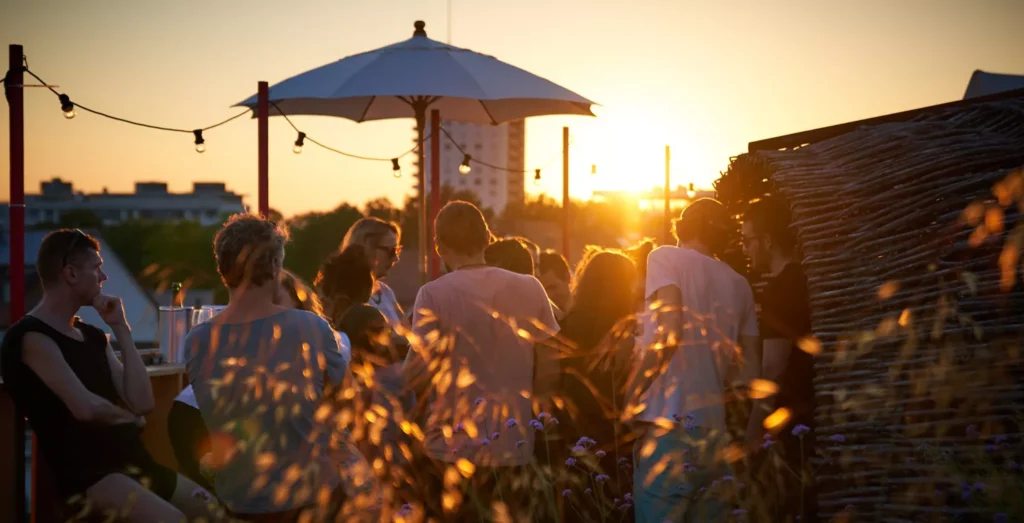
(263, 113)
(16, 105)
(667, 224)
(565, 193)
(435, 186)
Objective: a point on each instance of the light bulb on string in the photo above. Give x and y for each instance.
(593, 168)
(396, 170)
(200, 143)
(297, 149)
(690, 193)
(464, 167)
(536, 178)
(67, 106)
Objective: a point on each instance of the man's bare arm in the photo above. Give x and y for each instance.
(41, 354)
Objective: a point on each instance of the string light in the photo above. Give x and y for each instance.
(464, 168)
(200, 143)
(593, 168)
(690, 193)
(396, 170)
(536, 178)
(67, 106)
(297, 149)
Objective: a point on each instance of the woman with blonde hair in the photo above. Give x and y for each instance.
(381, 242)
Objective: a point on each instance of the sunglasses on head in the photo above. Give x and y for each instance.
(79, 236)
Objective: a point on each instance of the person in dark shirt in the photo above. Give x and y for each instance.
(785, 319)
(83, 403)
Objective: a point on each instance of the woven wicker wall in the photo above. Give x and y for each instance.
(920, 338)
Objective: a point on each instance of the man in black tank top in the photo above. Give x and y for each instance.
(84, 405)
(785, 319)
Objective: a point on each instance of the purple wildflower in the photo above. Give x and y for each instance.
(626, 506)
(405, 510)
(838, 438)
(552, 421)
(520, 443)
(767, 443)
(459, 428)
(978, 486)
(485, 442)
(678, 418)
(800, 430)
(623, 461)
(601, 478)
(585, 442)
(495, 436)
(1000, 439)
(728, 478)
(701, 490)
(600, 454)
(588, 492)
(628, 496)
(616, 501)
(767, 435)
(566, 493)
(1000, 518)
(991, 447)
(570, 462)
(510, 423)
(478, 402)
(739, 512)
(543, 415)
(687, 467)
(536, 425)
(579, 449)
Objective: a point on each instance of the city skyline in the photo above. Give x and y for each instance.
(715, 78)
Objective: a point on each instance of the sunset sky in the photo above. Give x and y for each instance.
(703, 77)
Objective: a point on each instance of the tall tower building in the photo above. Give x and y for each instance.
(499, 145)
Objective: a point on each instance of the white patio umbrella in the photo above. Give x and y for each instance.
(406, 79)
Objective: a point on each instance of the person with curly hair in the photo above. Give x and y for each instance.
(261, 373)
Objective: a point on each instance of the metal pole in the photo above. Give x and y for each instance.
(565, 193)
(420, 109)
(668, 198)
(16, 108)
(263, 108)
(435, 186)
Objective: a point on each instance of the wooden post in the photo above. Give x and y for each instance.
(667, 232)
(263, 114)
(435, 187)
(565, 193)
(16, 107)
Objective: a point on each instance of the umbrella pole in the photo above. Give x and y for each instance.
(420, 108)
(435, 185)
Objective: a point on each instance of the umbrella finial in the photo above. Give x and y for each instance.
(420, 28)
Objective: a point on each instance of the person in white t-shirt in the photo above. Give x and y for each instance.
(700, 342)
(476, 363)
(383, 244)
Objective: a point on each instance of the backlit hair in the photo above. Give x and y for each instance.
(705, 221)
(461, 227)
(301, 295)
(369, 231)
(249, 250)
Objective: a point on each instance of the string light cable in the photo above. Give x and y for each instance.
(69, 107)
(302, 138)
(467, 160)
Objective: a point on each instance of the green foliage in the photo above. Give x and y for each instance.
(315, 236)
